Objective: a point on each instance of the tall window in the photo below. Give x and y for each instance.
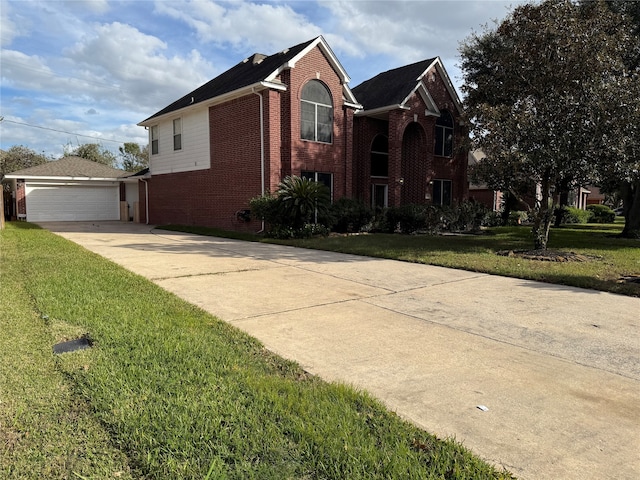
(177, 134)
(442, 192)
(154, 140)
(380, 157)
(444, 135)
(325, 178)
(316, 113)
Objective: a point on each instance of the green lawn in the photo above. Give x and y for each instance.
(169, 392)
(611, 257)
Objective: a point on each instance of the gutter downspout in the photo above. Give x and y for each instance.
(261, 147)
(146, 201)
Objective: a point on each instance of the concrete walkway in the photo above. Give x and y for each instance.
(557, 367)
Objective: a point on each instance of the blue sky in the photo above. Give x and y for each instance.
(87, 71)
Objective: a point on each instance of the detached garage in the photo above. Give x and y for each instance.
(69, 189)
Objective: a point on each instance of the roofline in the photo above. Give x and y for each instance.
(240, 92)
(447, 82)
(377, 111)
(326, 49)
(65, 178)
(432, 108)
(355, 105)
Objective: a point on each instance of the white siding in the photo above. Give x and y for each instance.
(195, 145)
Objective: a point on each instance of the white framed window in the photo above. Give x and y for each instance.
(154, 140)
(442, 192)
(444, 135)
(379, 196)
(177, 134)
(316, 113)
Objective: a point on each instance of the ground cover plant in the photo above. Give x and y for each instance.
(613, 263)
(169, 392)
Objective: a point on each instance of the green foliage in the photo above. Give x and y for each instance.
(539, 107)
(601, 214)
(19, 157)
(349, 215)
(301, 199)
(575, 215)
(93, 152)
(133, 157)
(422, 218)
(295, 205)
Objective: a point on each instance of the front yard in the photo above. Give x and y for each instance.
(169, 392)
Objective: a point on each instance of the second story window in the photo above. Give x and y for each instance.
(154, 140)
(177, 134)
(380, 156)
(316, 114)
(444, 135)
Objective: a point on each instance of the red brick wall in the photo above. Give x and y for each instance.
(214, 197)
(419, 167)
(315, 156)
(21, 198)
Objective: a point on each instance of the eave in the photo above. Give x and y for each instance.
(241, 92)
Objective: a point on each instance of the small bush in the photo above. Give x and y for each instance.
(518, 217)
(601, 214)
(349, 216)
(575, 215)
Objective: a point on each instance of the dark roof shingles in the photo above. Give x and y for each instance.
(390, 87)
(241, 75)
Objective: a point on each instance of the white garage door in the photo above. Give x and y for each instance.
(52, 203)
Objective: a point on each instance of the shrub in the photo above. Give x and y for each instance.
(267, 208)
(300, 200)
(575, 215)
(518, 217)
(601, 214)
(349, 216)
(467, 216)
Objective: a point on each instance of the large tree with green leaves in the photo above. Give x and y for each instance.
(19, 157)
(133, 157)
(94, 152)
(619, 172)
(534, 92)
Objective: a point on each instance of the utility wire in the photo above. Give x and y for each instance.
(2, 119)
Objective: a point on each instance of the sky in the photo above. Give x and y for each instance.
(87, 71)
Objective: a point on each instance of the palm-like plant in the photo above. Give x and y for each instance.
(302, 199)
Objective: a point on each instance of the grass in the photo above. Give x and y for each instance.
(611, 257)
(170, 392)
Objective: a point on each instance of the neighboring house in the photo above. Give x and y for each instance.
(293, 113)
(481, 193)
(71, 189)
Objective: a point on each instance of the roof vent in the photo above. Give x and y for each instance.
(283, 52)
(258, 58)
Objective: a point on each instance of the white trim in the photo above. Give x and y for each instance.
(37, 178)
(256, 87)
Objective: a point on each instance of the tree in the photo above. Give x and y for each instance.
(93, 152)
(19, 157)
(133, 157)
(619, 171)
(533, 87)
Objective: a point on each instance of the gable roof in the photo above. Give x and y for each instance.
(66, 167)
(255, 72)
(392, 89)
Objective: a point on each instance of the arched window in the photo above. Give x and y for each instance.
(316, 113)
(380, 157)
(444, 134)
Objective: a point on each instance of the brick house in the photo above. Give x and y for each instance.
(293, 113)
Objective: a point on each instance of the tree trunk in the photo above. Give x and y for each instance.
(631, 199)
(542, 222)
(558, 212)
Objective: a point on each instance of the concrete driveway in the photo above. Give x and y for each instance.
(557, 368)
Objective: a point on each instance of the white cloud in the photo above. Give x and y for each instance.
(134, 62)
(246, 26)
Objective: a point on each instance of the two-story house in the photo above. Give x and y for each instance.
(392, 140)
